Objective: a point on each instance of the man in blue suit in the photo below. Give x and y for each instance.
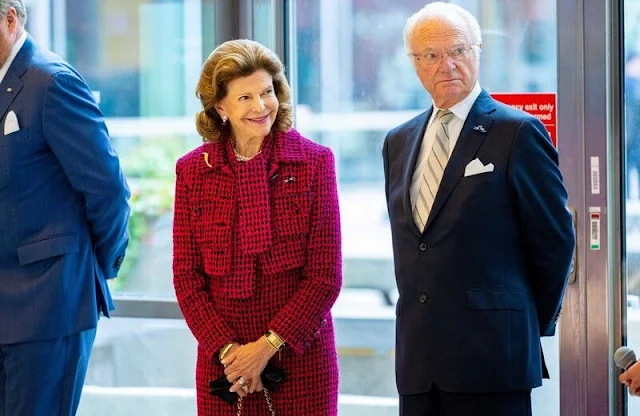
(482, 236)
(64, 213)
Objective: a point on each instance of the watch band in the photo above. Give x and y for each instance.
(274, 340)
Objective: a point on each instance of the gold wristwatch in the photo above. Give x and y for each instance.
(274, 340)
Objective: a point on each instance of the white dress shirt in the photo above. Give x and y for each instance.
(460, 112)
(12, 55)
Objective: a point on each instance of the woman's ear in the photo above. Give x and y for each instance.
(221, 110)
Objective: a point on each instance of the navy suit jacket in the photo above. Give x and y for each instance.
(63, 202)
(486, 278)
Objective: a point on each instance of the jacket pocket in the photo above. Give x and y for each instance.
(291, 214)
(57, 245)
(212, 230)
(480, 178)
(8, 146)
(216, 260)
(495, 299)
(211, 220)
(287, 254)
(16, 138)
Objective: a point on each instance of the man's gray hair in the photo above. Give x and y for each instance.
(21, 11)
(444, 11)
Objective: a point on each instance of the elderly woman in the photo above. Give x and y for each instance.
(257, 258)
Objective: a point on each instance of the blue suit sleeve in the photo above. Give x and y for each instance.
(545, 221)
(74, 128)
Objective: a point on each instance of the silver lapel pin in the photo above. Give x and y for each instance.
(480, 128)
(9, 89)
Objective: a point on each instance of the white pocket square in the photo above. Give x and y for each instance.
(475, 167)
(11, 123)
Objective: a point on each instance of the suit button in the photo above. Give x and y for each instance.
(423, 246)
(423, 298)
(118, 262)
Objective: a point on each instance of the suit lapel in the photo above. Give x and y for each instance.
(12, 84)
(9, 90)
(412, 148)
(470, 139)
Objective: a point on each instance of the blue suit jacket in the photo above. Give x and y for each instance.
(63, 202)
(486, 278)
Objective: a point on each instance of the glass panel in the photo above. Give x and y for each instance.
(141, 367)
(263, 22)
(354, 83)
(142, 58)
(631, 44)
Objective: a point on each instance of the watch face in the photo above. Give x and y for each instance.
(274, 340)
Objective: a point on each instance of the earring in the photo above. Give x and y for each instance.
(224, 120)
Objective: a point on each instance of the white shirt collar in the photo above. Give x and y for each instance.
(14, 52)
(461, 110)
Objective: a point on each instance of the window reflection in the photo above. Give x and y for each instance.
(354, 83)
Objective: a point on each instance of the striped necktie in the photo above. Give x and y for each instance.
(432, 174)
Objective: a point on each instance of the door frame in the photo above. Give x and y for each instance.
(589, 120)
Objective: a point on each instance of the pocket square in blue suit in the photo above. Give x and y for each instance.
(475, 167)
(11, 123)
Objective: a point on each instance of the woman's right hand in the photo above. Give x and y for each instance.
(241, 390)
(234, 347)
(248, 362)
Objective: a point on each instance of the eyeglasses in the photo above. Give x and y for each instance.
(457, 53)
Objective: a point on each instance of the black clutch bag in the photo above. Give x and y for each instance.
(272, 376)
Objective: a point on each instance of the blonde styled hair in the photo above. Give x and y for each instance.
(231, 60)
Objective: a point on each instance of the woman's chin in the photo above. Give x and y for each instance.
(262, 130)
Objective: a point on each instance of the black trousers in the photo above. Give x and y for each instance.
(441, 403)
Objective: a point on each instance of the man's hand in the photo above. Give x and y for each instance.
(247, 362)
(631, 378)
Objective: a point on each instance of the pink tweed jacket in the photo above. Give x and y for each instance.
(279, 267)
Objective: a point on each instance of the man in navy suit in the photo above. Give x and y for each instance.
(64, 213)
(482, 236)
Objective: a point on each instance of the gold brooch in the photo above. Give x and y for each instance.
(206, 159)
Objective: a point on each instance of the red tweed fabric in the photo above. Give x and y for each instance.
(229, 293)
(253, 230)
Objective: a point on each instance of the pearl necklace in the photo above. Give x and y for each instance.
(242, 158)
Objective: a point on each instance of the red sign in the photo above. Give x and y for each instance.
(540, 105)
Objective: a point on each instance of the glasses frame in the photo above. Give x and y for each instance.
(422, 60)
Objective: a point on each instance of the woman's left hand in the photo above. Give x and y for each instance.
(247, 362)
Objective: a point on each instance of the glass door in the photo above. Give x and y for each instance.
(630, 69)
(354, 83)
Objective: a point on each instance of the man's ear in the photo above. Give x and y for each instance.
(12, 16)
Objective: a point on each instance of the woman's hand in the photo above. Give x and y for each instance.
(238, 387)
(233, 348)
(248, 361)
